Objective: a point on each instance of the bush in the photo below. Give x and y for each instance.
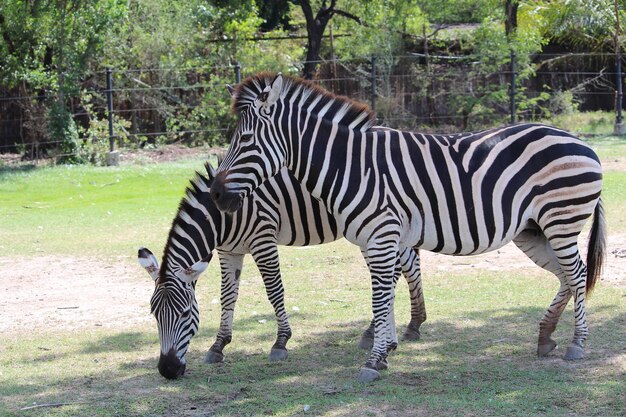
(62, 129)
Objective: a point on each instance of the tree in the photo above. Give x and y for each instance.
(46, 48)
(315, 27)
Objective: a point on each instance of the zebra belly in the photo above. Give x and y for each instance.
(455, 241)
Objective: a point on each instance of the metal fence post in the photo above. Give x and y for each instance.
(512, 87)
(373, 83)
(237, 72)
(112, 158)
(619, 128)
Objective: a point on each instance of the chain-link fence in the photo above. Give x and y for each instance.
(416, 91)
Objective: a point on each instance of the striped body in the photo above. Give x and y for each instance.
(281, 213)
(455, 194)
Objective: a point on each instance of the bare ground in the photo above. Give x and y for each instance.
(63, 292)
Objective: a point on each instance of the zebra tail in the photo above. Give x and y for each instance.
(596, 248)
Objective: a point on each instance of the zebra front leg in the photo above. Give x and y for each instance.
(381, 261)
(266, 258)
(367, 338)
(231, 265)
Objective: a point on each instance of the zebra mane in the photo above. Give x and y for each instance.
(356, 114)
(197, 190)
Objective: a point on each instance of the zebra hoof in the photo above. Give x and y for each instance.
(574, 352)
(544, 349)
(411, 335)
(366, 342)
(213, 357)
(278, 354)
(368, 375)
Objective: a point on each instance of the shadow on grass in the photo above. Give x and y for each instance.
(121, 342)
(15, 169)
(482, 364)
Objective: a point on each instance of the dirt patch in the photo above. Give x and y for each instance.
(614, 164)
(510, 257)
(76, 293)
(71, 293)
(167, 153)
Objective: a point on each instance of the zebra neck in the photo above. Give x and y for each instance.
(196, 230)
(319, 155)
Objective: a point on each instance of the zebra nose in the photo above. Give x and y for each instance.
(170, 366)
(217, 190)
(225, 199)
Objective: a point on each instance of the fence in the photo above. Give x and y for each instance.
(133, 107)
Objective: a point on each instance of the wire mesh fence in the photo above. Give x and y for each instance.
(414, 91)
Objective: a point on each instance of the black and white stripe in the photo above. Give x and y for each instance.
(455, 194)
(282, 212)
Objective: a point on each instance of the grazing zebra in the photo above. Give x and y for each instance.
(282, 212)
(456, 194)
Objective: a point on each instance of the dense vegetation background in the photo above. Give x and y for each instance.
(170, 61)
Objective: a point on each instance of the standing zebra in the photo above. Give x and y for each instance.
(457, 194)
(282, 212)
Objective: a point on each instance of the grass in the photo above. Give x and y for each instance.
(586, 123)
(60, 209)
(476, 356)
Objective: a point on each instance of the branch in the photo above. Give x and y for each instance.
(349, 16)
(306, 9)
(47, 405)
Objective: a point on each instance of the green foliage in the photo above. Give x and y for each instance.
(588, 24)
(460, 11)
(210, 121)
(62, 129)
(46, 38)
(384, 24)
(95, 139)
(489, 99)
(174, 57)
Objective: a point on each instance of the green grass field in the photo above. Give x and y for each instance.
(476, 357)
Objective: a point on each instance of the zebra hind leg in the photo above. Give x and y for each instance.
(536, 246)
(576, 275)
(231, 266)
(410, 261)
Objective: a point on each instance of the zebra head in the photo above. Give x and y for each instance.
(176, 311)
(256, 152)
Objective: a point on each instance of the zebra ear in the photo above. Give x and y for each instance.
(149, 262)
(191, 274)
(275, 89)
(231, 90)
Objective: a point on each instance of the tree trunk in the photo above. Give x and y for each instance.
(315, 26)
(510, 20)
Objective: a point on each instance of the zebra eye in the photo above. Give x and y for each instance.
(185, 314)
(263, 96)
(246, 137)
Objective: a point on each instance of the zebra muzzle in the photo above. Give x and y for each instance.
(170, 366)
(224, 199)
